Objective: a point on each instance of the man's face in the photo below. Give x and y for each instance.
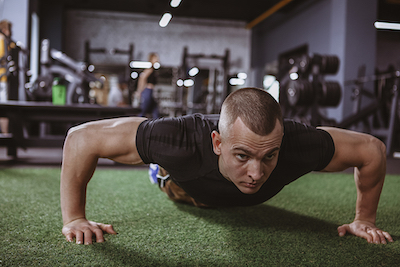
(246, 158)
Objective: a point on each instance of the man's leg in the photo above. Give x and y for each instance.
(145, 102)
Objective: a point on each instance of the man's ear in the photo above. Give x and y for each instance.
(216, 140)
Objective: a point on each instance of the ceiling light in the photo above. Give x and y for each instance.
(268, 81)
(156, 65)
(165, 19)
(188, 83)
(294, 76)
(236, 81)
(91, 68)
(134, 75)
(242, 75)
(140, 64)
(193, 71)
(175, 3)
(387, 25)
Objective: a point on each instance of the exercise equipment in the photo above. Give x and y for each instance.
(305, 92)
(55, 64)
(304, 89)
(381, 113)
(125, 68)
(376, 112)
(209, 87)
(115, 51)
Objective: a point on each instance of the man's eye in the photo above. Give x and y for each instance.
(270, 157)
(241, 156)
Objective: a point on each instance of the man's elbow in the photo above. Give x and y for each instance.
(77, 137)
(378, 146)
(375, 156)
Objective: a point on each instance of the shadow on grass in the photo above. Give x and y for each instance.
(260, 216)
(268, 234)
(120, 255)
(258, 230)
(264, 235)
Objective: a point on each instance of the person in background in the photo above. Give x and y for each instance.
(5, 35)
(147, 81)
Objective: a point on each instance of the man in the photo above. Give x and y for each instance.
(245, 158)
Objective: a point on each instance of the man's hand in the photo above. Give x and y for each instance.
(365, 230)
(84, 230)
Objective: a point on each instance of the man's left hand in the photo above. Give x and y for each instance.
(366, 230)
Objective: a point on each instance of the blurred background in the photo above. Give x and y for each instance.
(328, 62)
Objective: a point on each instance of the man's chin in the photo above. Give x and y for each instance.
(249, 190)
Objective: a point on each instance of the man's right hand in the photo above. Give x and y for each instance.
(83, 231)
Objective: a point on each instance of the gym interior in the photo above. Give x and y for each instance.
(327, 62)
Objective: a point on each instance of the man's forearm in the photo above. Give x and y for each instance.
(73, 199)
(77, 169)
(369, 181)
(367, 201)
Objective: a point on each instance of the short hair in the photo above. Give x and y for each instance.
(257, 109)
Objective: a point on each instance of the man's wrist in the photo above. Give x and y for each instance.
(361, 218)
(70, 220)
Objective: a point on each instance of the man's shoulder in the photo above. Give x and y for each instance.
(304, 144)
(181, 145)
(293, 127)
(195, 122)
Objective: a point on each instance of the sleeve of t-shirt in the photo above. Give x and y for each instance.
(176, 144)
(305, 147)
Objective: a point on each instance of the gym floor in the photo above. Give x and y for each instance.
(51, 157)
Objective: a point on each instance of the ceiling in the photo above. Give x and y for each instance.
(241, 10)
(389, 10)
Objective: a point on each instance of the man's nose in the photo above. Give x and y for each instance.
(255, 170)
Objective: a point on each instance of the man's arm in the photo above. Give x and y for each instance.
(368, 155)
(85, 144)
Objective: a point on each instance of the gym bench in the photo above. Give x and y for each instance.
(23, 115)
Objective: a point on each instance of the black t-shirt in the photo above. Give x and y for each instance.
(183, 146)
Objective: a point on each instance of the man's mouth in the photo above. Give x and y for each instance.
(250, 185)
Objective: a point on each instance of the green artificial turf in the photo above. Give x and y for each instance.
(296, 228)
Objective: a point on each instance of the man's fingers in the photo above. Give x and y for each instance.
(380, 237)
(368, 236)
(99, 235)
(84, 231)
(108, 228)
(343, 229)
(376, 238)
(69, 237)
(79, 237)
(388, 236)
(367, 231)
(88, 237)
